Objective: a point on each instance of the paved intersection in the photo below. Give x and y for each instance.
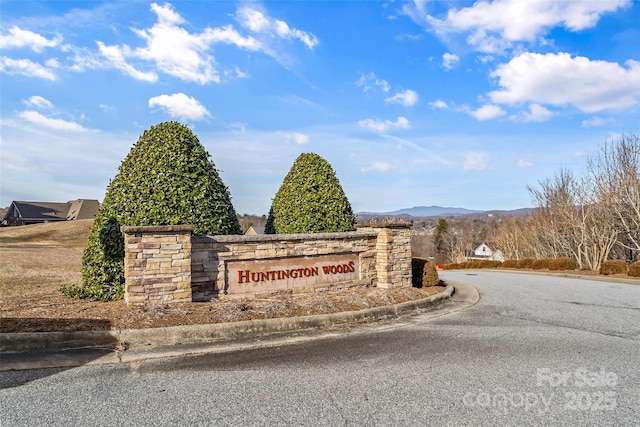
(536, 350)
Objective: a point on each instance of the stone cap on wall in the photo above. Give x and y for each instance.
(361, 232)
(130, 229)
(289, 237)
(385, 225)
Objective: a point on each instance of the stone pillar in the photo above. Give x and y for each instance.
(157, 264)
(393, 255)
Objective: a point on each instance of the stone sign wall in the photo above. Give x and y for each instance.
(217, 266)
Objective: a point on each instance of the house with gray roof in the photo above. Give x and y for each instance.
(25, 213)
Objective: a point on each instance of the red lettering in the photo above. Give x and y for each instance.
(243, 276)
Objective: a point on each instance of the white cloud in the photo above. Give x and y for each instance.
(368, 81)
(174, 50)
(377, 167)
(257, 21)
(116, 57)
(449, 60)
(408, 98)
(416, 10)
(560, 80)
(180, 106)
(524, 164)
(495, 26)
(237, 73)
(440, 104)
(476, 161)
(49, 123)
(166, 14)
(536, 113)
(18, 37)
(486, 112)
(38, 102)
(25, 67)
(597, 121)
(383, 126)
(296, 138)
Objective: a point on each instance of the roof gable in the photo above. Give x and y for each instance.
(42, 210)
(53, 211)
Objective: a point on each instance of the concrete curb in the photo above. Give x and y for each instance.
(132, 340)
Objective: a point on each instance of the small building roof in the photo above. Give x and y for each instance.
(53, 211)
(255, 230)
(42, 210)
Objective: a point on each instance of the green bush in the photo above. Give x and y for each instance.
(562, 264)
(634, 269)
(310, 200)
(540, 264)
(167, 178)
(613, 266)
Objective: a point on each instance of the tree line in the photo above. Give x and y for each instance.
(591, 216)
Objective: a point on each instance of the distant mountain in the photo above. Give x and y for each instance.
(521, 211)
(438, 211)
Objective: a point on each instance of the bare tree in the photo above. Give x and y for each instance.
(572, 221)
(616, 174)
(511, 238)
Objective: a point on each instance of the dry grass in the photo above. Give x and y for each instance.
(36, 260)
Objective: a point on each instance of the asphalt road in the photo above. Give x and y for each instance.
(536, 350)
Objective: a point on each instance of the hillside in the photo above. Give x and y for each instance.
(62, 232)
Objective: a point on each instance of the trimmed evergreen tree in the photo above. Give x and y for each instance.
(310, 200)
(166, 179)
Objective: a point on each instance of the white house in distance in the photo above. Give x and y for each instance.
(482, 252)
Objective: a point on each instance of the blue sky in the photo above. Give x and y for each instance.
(413, 103)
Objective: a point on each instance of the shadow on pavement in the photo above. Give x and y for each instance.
(26, 356)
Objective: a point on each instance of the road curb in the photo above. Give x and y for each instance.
(139, 340)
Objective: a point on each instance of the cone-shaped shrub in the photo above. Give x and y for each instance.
(310, 200)
(430, 275)
(166, 179)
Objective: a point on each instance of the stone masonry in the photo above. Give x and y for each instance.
(166, 264)
(157, 264)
